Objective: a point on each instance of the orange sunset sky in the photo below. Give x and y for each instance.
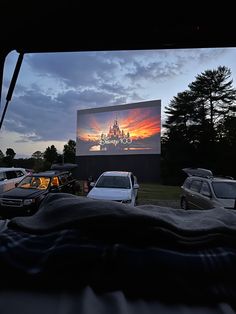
(141, 123)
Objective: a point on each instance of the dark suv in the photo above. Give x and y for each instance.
(202, 190)
(25, 198)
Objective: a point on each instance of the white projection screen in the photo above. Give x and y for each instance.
(119, 130)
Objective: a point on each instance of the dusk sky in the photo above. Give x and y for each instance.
(52, 87)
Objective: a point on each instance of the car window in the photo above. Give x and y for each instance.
(224, 189)
(63, 178)
(3, 176)
(19, 173)
(11, 175)
(32, 182)
(187, 183)
(196, 185)
(205, 189)
(113, 182)
(55, 181)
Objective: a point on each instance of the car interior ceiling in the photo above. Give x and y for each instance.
(36, 28)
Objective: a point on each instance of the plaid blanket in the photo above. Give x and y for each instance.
(185, 255)
(66, 257)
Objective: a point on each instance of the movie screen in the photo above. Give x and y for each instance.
(119, 130)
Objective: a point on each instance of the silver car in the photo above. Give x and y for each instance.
(202, 190)
(10, 176)
(119, 186)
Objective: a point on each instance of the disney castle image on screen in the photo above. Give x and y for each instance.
(119, 130)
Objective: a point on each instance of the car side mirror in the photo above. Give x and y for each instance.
(136, 186)
(92, 184)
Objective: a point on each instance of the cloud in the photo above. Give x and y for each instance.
(74, 69)
(52, 87)
(167, 64)
(40, 117)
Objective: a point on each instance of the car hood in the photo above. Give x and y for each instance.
(110, 194)
(22, 193)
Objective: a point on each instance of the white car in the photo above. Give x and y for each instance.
(10, 176)
(120, 186)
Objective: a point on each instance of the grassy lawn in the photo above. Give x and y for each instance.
(152, 191)
(156, 191)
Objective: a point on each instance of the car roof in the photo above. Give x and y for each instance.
(206, 174)
(63, 167)
(211, 179)
(116, 173)
(50, 173)
(11, 168)
(191, 30)
(198, 172)
(221, 179)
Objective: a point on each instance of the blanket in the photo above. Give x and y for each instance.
(136, 224)
(65, 259)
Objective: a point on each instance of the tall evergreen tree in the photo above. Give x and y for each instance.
(199, 120)
(214, 97)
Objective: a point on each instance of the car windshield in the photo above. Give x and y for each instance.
(113, 182)
(33, 182)
(225, 189)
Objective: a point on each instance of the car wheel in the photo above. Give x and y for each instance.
(184, 204)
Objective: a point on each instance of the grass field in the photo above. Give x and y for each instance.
(157, 194)
(157, 191)
(152, 193)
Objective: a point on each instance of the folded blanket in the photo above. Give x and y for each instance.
(120, 222)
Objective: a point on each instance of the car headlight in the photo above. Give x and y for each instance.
(29, 201)
(126, 201)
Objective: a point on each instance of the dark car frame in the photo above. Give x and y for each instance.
(26, 197)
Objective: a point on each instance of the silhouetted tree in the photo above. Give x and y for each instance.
(1, 158)
(50, 154)
(215, 100)
(69, 151)
(199, 121)
(37, 155)
(38, 161)
(9, 158)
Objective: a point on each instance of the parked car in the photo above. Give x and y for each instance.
(28, 194)
(202, 190)
(10, 176)
(120, 186)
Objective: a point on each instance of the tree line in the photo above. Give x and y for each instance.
(200, 128)
(40, 161)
